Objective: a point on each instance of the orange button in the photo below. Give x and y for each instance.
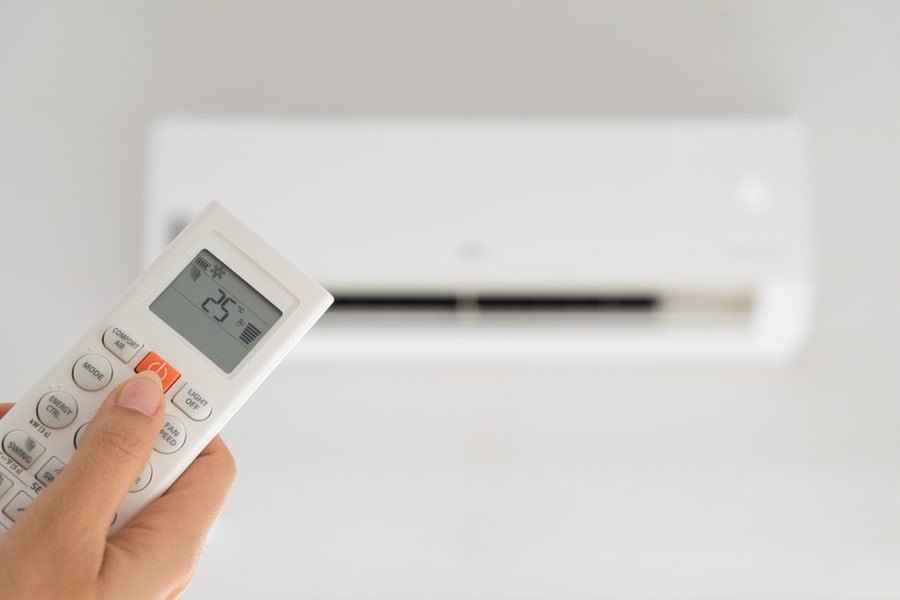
(154, 362)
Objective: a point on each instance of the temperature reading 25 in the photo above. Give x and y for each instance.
(221, 304)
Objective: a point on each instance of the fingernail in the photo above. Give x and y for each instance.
(143, 394)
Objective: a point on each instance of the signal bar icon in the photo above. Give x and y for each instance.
(249, 334)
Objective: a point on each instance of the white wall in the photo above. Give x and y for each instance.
(467, 481)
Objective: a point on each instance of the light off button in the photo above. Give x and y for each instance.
(171, 436)
(92, 372)
(193, 403)
(22, 448)
(57, 409)
(122, 343)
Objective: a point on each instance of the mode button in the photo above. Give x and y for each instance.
(92, 372)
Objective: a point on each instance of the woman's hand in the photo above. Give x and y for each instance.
(59, 547)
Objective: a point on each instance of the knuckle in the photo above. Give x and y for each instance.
(221, 459)
(229, 466)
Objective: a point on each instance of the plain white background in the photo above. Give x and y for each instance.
(472, 481)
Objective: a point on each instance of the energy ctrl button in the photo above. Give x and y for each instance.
(154, 362)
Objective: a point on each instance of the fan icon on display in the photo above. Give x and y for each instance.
(249, 334)
(195, 273)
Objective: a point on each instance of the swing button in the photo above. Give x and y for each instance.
(154, 362)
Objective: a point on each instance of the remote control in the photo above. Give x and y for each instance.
(212, 316)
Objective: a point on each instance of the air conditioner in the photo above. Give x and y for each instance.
(523, 238)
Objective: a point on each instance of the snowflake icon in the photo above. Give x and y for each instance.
(217, 271)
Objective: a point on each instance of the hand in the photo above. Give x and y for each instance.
(59, 546)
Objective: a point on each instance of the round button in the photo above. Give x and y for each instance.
(193, 403)
(92, 372)
(171, 436)
(143, 479)
(57, 409)
(80, 433)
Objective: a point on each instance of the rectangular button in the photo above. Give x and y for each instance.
(18, 505)
(22, 448)
(193, 403)
(49, 471)
(156, 363)
(6, 483)
(122, 343)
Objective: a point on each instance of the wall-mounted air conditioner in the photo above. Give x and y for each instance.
(511, 238)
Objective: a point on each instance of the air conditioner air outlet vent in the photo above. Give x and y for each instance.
(497, 302)
(494, 302)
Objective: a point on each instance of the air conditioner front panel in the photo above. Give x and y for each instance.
(467, 207)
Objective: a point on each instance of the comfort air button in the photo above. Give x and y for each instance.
(156, 363)
(122, 343)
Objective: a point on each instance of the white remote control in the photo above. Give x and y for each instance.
(212, 316)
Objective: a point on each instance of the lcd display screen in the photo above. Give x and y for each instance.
(215, 310)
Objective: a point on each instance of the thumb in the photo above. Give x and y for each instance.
(111, 454)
